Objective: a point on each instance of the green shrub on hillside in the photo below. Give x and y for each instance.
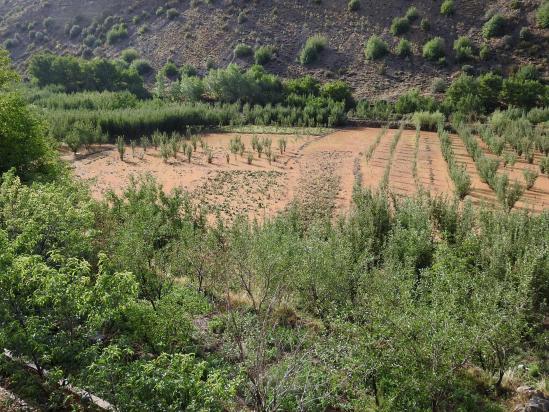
(353, 5)
(542, 15)
(263, 55)
(117, 33)
(434, 49)
(312, 49)
(242, 50)
(399, 26)
(463, 48)
(142, 66)
(170, 70)
(447, 7)
(404, 48)
(412, 13)
(425, 24)
(129, 55)
(494, 27)
(375, 48)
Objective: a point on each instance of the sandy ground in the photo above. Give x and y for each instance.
(317, 171)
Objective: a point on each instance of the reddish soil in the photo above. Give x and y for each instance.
(481, 193)
(537, 197)
(318, 172)
(401, 179)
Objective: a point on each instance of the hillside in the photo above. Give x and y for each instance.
(205, 33)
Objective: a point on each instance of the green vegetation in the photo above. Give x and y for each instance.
(542, 15)
(24, 145)
(463, 47)
(353, 5)
(263, 55)
(494, 27)
(75, 74)
(376, 48)
(434, 49)
(243, 50)
(404, 48)
(447, 8)
(403, 304)
(117, 33)
(400, 25)
(412, 14)
(312, 49)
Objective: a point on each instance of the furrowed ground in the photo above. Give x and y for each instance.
(318, 172)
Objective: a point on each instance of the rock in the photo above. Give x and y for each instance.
(537, 404)
(526, 390)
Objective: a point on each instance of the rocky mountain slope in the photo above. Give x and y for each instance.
(204, 33)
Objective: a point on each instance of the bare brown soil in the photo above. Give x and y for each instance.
(316, 172)
(537, 197)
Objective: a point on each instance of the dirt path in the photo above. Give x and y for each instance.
(372, 174)
(432, 168)
(401, 179)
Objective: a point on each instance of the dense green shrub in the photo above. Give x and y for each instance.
(412, 14)
(428, 120)
(463, 47)
(242, 50)
(494, 27)
(170, 70)
(434, 49)
(400, 25)
(129, 55)
(542, 15)
(312, 49)
(425, 24)
(75, 74)
(447, 7)
(375, 48)
(404, 48)
(142, 66)
(117, 33)
(263, 54)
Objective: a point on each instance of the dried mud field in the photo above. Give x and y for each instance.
(316, 172)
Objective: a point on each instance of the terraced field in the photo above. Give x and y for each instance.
(317, 172)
